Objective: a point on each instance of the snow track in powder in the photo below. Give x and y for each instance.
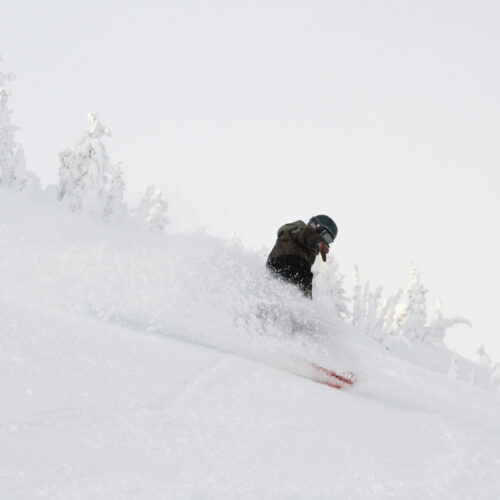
(265, 351)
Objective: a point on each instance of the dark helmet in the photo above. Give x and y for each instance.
(323, 223)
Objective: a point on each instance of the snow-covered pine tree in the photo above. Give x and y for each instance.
(373, 322)
(436, 330)
(495, 376)
(454, 370)
(358, 306)
(115, 208)
(87, 180)
(482, 356)
(394, 320)
(412, 321)
(12, 163)
(387, 318)
(152, 209)
(376, 318)
(234, 240)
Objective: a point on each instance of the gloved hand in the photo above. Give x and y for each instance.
(323, 250)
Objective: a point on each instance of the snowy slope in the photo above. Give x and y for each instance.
(149, 366)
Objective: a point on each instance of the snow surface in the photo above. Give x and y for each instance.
(158, 366)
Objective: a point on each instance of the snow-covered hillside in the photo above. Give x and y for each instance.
(149, 365)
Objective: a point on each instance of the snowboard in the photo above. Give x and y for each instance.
(331, 378)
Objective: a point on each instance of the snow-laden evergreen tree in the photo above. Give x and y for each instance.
(358, 306)
(115, 208)
(495, 376)
(12, 163)
(87, 180)
(152, 209)
(367, 309)
(387, 317)
(374, 317)
(329, 285)
(454, 370)
(482, 356)
(413, 318)
(234, 240)
(373, 321)
(398, 318)
(436, 330)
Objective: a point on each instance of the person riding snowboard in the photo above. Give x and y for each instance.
(296, 249)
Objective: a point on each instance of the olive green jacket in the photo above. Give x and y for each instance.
(297, 238)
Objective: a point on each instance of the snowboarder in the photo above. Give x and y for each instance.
(296, 249)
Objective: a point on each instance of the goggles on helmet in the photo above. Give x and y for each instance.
(323, 232)
(326, 235)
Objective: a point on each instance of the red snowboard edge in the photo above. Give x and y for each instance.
(334, 379)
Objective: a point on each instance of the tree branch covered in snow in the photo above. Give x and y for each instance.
(13, 172)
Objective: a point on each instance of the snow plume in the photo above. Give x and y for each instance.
(167, 284)
(13, 172)
(329, 288)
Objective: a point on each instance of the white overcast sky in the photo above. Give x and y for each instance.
(384, 115)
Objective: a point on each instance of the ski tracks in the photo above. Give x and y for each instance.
(215, 372)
